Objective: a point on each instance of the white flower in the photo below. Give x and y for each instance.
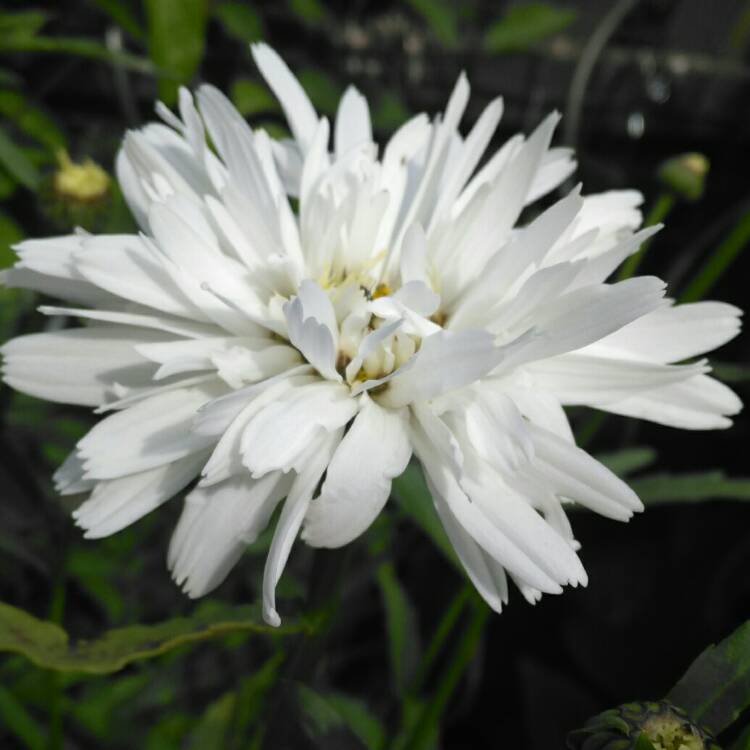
(304, 357)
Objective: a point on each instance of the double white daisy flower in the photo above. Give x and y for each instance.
(293, 323)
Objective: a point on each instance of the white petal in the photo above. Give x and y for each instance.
(313, 329)
(291, 518)
(374, 450)
(299, 111)
(278, 436)
(117, 503)
(77, 366)
(446, 360)
(574, 474)
(216, 525)
(353, 125)
(154, 432)
(698, 403)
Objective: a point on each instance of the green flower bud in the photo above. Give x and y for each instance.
(665, 726)
(685, 175)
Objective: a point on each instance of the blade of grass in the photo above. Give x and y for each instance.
(719, 261)
(662, 206)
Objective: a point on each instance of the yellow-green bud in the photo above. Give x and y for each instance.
(685, 175)
(665, 726)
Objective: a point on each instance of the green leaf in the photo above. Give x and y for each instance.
(16, 720)
(693, 487)
(250, 97)
(21, 24)
(47, 645)
(327, 712)
(441, 17)
(730, 372)
(643, 743)
(716, 687)
(415, 500)
(239, 20)
(77, 46)
(719, 261)
(121, 14)
(30, 120)
(10, 233)
(627, 461)
(526, 24)
(743, 741)
(389, 112)
(18, 164)
(176, 39)
(401, 626)
(310, 11)
(321, 88)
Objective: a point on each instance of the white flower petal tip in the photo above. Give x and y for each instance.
(296, 318)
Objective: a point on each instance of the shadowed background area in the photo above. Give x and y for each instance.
(639, 84)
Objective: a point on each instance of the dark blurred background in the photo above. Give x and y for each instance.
(638, 83)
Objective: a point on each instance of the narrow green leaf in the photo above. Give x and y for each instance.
(16, 720)
(239, 20)
(659, 211)
(21, 24)
(122, 15)
(250, 97)
(427, 724)
(47, 645)
(719, 261)
(13, 158)
(526, 24)
(30, 120)
(628, 461)
(441, 17)
(176, 39)
(743, 741)
(77, 46)
(327, 712)
(310, 11)
(716, 687)
(415, 500)
(730, 372)
(401, 627)
(10, 233)
(643, 743)
(693, 487)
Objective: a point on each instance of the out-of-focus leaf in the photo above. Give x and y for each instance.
(122, 15)
(9, 78)
(211, 730)
(76, 46)
(643, 743)
(331, 711)
(10, 233)
(730, 372)
(47, 645)
(693, 487)
(743, 741)
(239, 20)
(628, 461)
(310, 11)
(321, 88)
(30, 120)
(401, 627)
(176, 40)
(17, 721)
(719, 261)
(526, 24)
(415, 500)
(441, 17)
(21, 24)
(250, 97)
(716, 687)
(16, 161)
(389, 112)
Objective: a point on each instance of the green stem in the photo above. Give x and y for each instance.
(423, 732)
(719, 261)
(55, 737)
(663, 205)
(440, 635)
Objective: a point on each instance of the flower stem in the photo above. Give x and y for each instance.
(663, 205)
